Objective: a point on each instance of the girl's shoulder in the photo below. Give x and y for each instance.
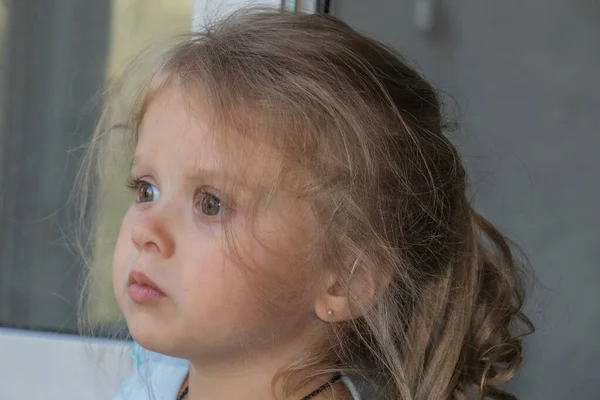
(156, 376)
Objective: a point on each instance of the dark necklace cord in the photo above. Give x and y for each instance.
(323, 387)
(312, 394)
(183, 393)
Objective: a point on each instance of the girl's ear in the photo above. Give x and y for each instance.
(345, 299)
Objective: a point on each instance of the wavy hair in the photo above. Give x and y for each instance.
(366, 134)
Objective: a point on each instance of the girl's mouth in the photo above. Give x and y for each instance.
(142, 290)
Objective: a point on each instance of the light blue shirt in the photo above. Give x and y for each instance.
(159, 377)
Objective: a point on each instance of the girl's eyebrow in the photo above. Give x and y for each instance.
(135, 162)
(195, 173)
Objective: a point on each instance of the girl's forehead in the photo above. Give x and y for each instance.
(183, 134)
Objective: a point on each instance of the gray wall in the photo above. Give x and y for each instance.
(526, 76)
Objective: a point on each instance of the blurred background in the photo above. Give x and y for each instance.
(525, 76)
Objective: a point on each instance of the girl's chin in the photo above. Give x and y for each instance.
(159, 335)
(149, 330)
(154, 341)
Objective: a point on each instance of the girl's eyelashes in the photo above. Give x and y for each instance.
(145, 192)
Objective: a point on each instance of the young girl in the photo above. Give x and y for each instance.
(300, 227)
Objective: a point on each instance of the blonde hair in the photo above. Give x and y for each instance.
(388, 191)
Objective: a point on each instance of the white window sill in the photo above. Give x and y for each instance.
(37, 365)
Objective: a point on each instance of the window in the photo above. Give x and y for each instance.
(55, 57)
(54, 60)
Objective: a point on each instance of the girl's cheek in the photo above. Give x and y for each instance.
(121, 253)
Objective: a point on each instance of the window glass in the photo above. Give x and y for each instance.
(54, 60)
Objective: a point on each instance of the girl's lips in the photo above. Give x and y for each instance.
(143, 290)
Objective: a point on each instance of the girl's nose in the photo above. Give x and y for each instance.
(151, 233)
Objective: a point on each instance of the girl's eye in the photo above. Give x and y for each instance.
(210, 205)
(145, 192)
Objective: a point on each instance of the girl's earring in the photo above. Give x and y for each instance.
(330, 313)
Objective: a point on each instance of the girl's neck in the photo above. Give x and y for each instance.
(250, 387)
(251, 376)
(253, 383)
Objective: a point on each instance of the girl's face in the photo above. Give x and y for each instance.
(180, 293)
